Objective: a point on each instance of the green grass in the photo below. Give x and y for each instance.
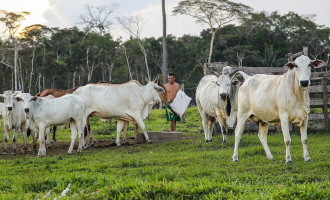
(186, 169)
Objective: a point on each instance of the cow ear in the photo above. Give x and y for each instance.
(17, 99)
(289, 65)
(159, 89)
(317, 63)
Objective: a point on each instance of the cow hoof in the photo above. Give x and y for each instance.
(235, 159)
(211, 140)
(149, 142)
(224, 141)
(207, 141)
(69, 154)
(4, 153)
(127, 143)
(308, 160)
(119, 145)
(270, 157)
(288, 161)
(25, 152)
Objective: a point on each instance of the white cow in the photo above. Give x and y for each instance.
(14, 119)
(35, 135)
(126, 102)
(212, 99)
(45, 113)
(1, 108)
(270, 99)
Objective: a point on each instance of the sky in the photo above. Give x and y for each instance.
(66, 13)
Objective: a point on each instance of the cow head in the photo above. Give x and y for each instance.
(302, 68)
(154, 90)
(26, 98)
(224, 82)
(9, 98)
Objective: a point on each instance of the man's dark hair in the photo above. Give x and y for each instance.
(171, 74)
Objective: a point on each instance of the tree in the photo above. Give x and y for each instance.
(214, 13)
(165, 52)
(13, 21)
(97, 19)
(134, 25)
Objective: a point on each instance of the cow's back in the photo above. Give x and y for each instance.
(111, 100)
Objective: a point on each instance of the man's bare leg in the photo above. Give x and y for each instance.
(173, 125)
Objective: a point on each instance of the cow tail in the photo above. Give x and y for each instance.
(228, 106)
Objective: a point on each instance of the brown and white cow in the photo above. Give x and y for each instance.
(269, 99)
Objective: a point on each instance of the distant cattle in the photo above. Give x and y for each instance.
(126, 102)
(269, 99)
(212, 99)
(14, 119)
(45, 113)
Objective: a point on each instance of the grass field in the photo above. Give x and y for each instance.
(186, 169)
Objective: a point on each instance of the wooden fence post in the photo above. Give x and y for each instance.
(325, 105)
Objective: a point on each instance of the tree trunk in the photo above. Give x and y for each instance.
(32, 68)
(211, 46)
(145, 58)
(74, 79)
(129, 68)
(165, 52)
(15, 65)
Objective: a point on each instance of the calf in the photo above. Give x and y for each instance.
(269, 99)
(14, 119)
(45, 113)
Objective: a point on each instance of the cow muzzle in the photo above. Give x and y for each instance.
(304, 83)
(223, 96)
(9, 108)
(26, 109)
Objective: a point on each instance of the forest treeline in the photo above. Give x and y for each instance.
(65, 58)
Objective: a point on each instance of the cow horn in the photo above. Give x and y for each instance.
(232, 73)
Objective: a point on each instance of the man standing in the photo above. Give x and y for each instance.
(171, 89)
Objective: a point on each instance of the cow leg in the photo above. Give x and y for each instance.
(241, 120)
(6, 139)
(286, 134)
(54, 133)
(42, 142)
(141, 124)
(16, 130)
(73, 127)
(24, 131)
(223, 127)
(205, 122)
(126, 123)
(303, 133)
(210, 130)
(48, 144)
(263, 131)
(34, 138)
(120, 125)
(80, 129)
(136, 127)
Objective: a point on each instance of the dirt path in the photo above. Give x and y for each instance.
(61, 148)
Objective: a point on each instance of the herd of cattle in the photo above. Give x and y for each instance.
(265, 99)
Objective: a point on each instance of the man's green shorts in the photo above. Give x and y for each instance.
(171, 115)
